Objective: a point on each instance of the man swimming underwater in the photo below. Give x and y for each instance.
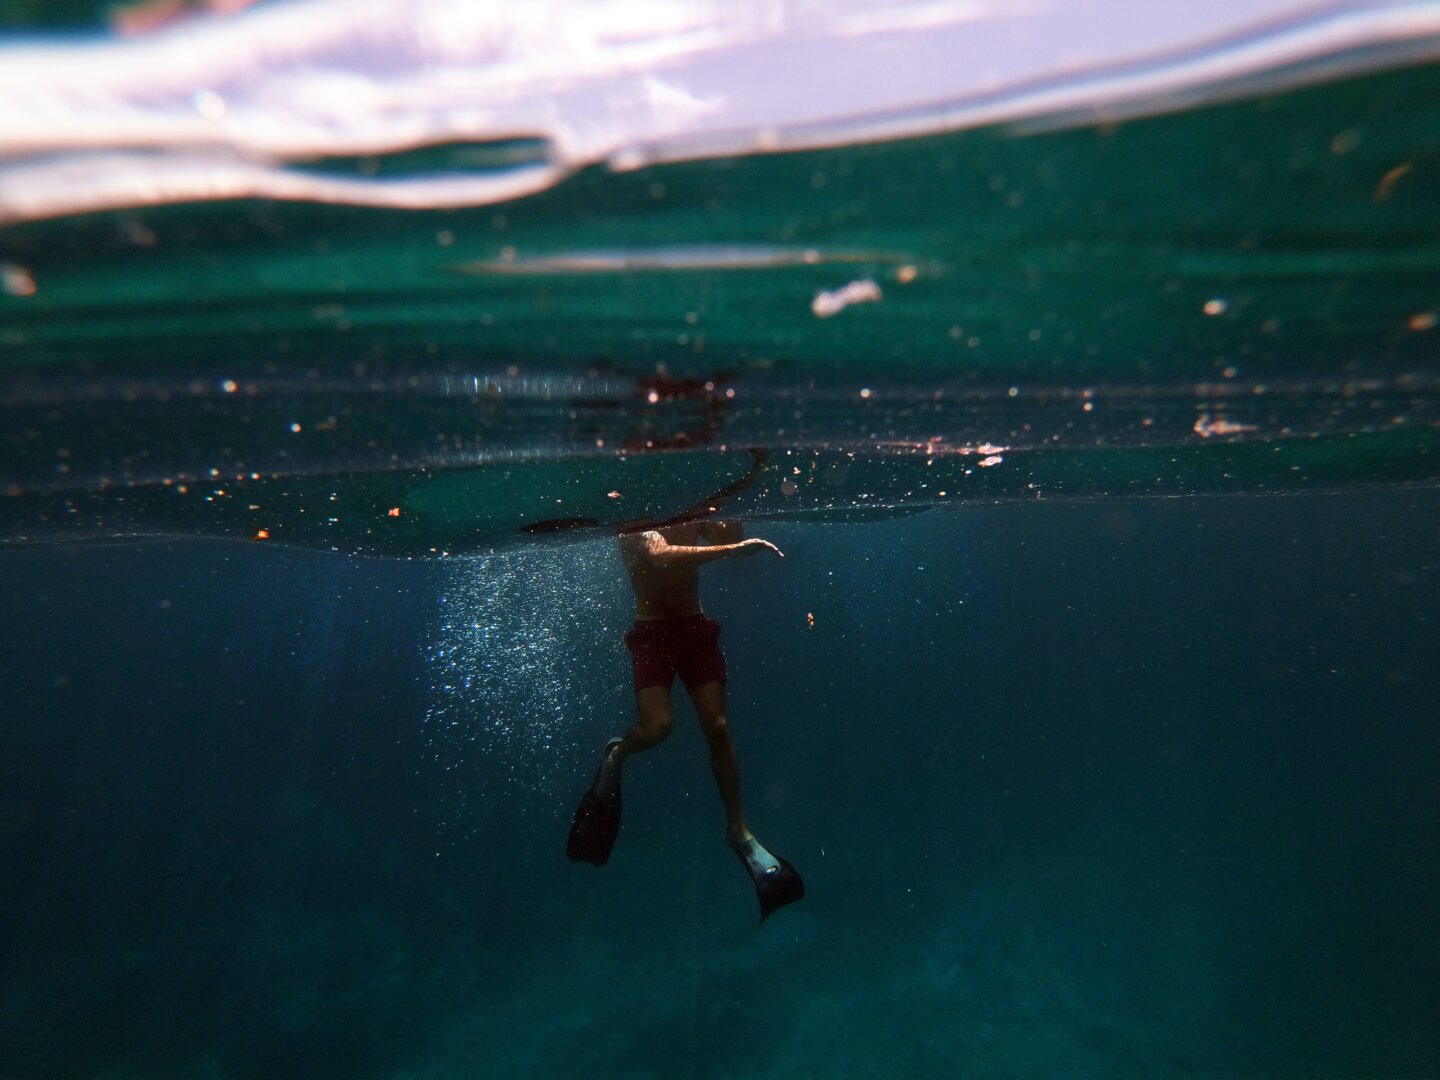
(673, 636)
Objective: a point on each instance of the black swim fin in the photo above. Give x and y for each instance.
(597, 819)
(777, 883)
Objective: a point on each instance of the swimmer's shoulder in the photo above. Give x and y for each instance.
(637, 545)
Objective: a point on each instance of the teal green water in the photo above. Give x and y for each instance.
(1236, 298)
(1107, 242)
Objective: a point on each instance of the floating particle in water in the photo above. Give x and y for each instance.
(229, 385)
(1207, 425)
(1216, 305)
(810, 619)
(1387, 182)
(1345, 141)
(394, 511)
(612, 494)
(137, 232)
(789, 487)
(1423, 320)
(295, 429)
(261, 534)
(993, 459)
(833, 302)
(16, 280)
(906, 274)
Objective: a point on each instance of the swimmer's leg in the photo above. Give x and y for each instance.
(653, 721)
(709, 699)
(777, 883)
(597, 820)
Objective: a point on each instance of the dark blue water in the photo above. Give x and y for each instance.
(1107, 788)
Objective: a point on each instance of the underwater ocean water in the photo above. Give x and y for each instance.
(1081, 359)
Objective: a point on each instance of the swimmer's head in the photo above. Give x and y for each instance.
(635, 525)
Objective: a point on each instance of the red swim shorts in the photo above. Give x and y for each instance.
(659, 648)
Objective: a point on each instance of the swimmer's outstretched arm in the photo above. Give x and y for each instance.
(661, 551)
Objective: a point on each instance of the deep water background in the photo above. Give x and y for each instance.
(1106, 788)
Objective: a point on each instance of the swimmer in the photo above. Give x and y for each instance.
(673, 636)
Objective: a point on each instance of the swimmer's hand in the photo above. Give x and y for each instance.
(754, 547)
